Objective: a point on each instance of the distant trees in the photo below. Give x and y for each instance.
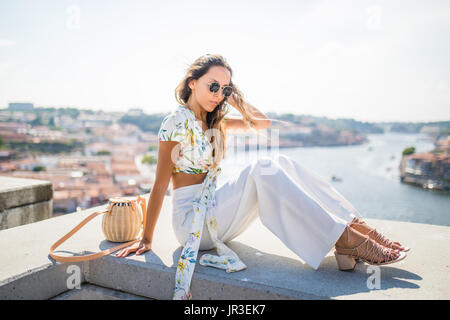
(103, 153)
(71, 112)
(51, 147)
(145, 122)
(43, 121)
(412, 127)
(148, 159)
(408, 150)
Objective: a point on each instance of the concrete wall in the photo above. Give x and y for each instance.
(24, 201)
(274, 271)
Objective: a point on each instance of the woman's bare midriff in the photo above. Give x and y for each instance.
(182, 179)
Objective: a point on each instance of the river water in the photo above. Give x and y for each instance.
(367, 182)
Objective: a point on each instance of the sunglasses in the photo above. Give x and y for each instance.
(215, 86)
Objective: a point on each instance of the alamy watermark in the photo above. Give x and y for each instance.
(374, 280)
(373, 21)
(73, 17)
(74, 280)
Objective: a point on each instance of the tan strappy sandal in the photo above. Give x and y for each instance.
(368, 251)
(378, 237)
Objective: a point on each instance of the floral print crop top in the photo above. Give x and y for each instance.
(196, 157)
(196, 151)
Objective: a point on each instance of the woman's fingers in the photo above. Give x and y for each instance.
(126, 251)
(136, 247)
(121, 253)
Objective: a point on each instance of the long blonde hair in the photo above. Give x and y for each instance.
(214, 119)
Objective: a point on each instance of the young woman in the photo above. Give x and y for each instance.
(298, 206)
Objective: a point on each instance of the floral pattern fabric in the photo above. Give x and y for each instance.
(196, 151)
(181, 126)
(203, 204)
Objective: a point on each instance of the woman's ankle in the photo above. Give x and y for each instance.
(364, 229)
(343, 239)
(350, 238)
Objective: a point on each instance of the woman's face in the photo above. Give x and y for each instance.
(200, 87)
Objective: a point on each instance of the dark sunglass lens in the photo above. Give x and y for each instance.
(214, 87)
(227, 91)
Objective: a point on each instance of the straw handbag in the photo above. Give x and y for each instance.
(122, 221)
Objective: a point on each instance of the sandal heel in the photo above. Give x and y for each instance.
(345, 262)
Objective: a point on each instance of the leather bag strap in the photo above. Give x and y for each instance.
(101, 253)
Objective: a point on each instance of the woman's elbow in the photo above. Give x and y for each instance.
(160, 188)
(262, 124)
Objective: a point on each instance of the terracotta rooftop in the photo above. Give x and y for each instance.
(428, 156)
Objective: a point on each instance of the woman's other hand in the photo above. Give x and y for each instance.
(138, 247)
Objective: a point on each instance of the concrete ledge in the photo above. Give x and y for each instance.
(91, 292)
(24, 201)
(17, 192)
(18, 216)
(274, 272)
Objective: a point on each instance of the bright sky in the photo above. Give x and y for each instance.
(367, 60)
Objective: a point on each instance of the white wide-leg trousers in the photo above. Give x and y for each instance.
(303, 210)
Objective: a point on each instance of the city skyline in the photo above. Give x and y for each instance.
(233, 113)
(374, 61)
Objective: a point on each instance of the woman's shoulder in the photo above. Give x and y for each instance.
(179, 115)
(174, 125)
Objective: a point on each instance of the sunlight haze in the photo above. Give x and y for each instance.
(367, 60)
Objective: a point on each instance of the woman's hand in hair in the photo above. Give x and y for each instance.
(230, 100)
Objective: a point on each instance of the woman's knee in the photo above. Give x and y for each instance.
(264, 161)
(266, 165)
